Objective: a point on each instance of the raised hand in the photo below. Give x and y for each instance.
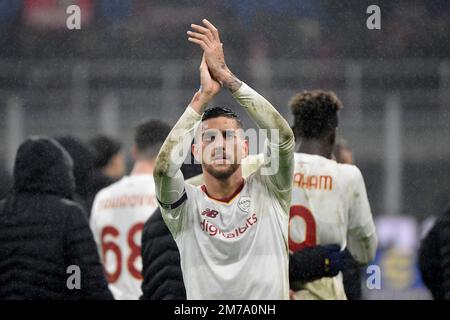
(207, 37)
(209, 87)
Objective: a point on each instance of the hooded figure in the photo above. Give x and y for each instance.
(6, 183)
(83, 170)
(43, 232)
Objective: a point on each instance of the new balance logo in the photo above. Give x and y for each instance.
(210, 213)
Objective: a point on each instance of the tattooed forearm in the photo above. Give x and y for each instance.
(231, 81)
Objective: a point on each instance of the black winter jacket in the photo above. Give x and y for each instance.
(163, 279)
(434, 258)
(83, 170)
(43, 232)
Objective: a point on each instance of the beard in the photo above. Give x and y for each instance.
(221, 172)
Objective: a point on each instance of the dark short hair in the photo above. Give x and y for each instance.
(216, 112)
(150, 135)
(105, 149)
(315, 113)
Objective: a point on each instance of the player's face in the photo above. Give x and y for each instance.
(221, 146)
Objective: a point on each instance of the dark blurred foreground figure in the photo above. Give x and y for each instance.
(5, 183)
(434, 258)
(83, 170)
(161, 269)
(109, 161)
(43, 232)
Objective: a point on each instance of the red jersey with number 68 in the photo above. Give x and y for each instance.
(117, 219)
(329, 206)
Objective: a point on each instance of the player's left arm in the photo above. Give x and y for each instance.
(361, 235)
(280, 136)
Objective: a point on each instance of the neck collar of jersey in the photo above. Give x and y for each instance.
(226, 199)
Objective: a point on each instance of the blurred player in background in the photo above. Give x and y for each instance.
(342, 152)
(329, 200)
(120, 211)
(109, 161)
(231, 232)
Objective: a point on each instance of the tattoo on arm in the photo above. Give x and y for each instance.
(232, 82)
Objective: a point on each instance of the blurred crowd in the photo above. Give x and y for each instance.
(96, 164)
(280, 29)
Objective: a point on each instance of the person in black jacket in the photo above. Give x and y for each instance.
(161, 267)
(43, 232)
(83, 170)
(434, 258)
(6, 183)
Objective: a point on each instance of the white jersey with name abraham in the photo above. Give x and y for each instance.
(329, 206)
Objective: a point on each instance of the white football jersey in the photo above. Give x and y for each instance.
(233, 248)
(118, 216)
(329, 206)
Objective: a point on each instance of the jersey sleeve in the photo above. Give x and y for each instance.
(170, 186)
(361, 236)
(174, 215)
(278, 167)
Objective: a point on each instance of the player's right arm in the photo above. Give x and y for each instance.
(169, 181)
